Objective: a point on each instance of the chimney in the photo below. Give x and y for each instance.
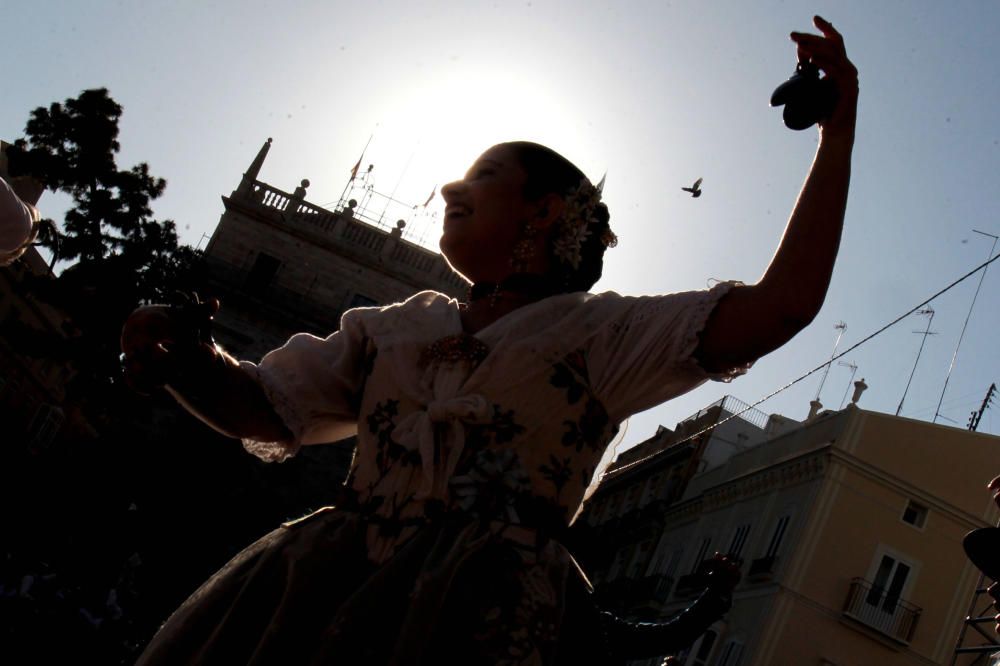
(859, 388)
(814, 407)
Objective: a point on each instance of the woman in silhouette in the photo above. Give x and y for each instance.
(480, 425)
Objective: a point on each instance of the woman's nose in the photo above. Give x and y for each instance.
(451, 189)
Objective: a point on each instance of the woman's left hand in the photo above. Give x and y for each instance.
(827, 52)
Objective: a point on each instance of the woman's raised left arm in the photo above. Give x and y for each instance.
(753, 320)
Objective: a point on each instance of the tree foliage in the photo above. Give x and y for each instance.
(119, 254)
(72, 147)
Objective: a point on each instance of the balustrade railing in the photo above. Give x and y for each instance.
(271, 197)
(879, 609)
(355, 228)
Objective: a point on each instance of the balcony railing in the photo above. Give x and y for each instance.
(876, 608)
(690, 585)
(762, 568)
(662, 589)
(635, 594)
(650, 591)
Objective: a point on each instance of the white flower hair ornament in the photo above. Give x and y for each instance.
(578, 220)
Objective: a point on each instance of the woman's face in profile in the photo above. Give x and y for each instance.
(484, 215)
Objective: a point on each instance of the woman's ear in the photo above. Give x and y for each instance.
(548, 210)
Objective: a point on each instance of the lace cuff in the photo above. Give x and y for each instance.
(696, 324)
(275, 451)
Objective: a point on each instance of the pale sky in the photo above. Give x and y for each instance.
(656, 94)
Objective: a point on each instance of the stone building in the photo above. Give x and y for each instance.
(849, 527)
(281, 265)
(623, 521)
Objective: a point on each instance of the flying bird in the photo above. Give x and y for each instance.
(695, 189)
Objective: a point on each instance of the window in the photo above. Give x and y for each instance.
(732, 654)
(702, 552)
(704, 649)
(887, 588)
(776, 538)
(670, 488)
(915, 514)
(612, 506)
(264, 269)
(597, 510)
(739, 540)
(673, 562)
(630, 499)
(639, 560)
(649, 493)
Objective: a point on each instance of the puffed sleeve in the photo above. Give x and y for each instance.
(17, 224)
(642, 353)
(314, 385)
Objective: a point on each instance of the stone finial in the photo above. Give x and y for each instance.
(300, 191)
(398, 231)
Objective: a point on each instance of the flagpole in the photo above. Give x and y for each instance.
(340, 202)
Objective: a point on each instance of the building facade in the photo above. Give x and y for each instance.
(849, 527)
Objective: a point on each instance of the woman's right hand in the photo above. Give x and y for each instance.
(159, 347)
(827, 52)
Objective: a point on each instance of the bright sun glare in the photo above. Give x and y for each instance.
(430, 132)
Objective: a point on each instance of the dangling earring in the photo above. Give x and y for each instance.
(524, 249)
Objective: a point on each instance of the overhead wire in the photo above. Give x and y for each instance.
(795, 381)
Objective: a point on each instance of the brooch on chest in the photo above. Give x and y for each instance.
(455, 348)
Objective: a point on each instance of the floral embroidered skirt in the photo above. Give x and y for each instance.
(454, 593)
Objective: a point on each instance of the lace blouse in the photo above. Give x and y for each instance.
(509, 424)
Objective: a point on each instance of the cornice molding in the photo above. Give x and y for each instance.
(801, 469)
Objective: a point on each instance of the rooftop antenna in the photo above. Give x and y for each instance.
(937, 411)
(926, 311)
(850, 382)
(354, 171)
(840, 326)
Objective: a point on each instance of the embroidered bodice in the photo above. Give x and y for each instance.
(509, 424)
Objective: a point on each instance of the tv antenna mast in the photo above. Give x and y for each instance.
(840, 326)
(937, 412)
(926, 311)
(850, 382)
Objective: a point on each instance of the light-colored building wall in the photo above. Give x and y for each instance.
(845, 481)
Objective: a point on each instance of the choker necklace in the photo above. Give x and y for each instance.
(523, 284)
